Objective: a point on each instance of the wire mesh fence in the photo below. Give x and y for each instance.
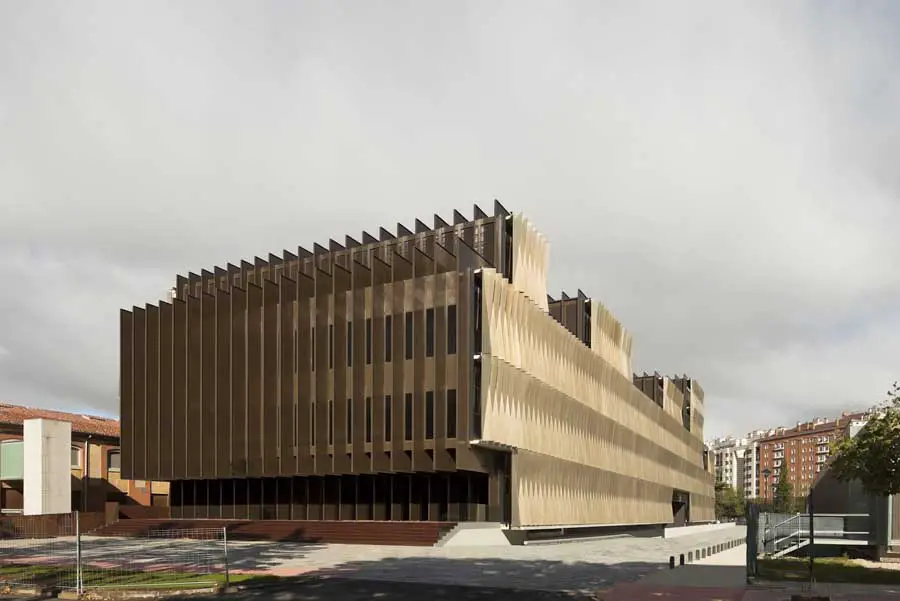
(51, 552)
(38, 551)
(158, 558)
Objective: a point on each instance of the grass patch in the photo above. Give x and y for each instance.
(54, 576)
(827, 569)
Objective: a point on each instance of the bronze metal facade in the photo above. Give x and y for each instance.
(362, 381)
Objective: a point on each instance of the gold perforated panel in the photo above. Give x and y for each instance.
(591, 448)
(530, 261)
(610, 339)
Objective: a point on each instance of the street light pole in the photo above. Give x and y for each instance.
(766, 473)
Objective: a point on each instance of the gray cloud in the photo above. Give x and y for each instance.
(721, 174)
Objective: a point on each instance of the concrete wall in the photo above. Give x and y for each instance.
(48, 477)
(675, 532)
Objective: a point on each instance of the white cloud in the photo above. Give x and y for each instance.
(720, 174)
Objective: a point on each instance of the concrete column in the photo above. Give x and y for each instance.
(48, 464)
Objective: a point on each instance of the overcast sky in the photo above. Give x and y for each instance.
(723, 175)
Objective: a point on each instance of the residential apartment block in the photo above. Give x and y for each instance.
(421, 374)
(95, 462)
(736, 461)
(803, 449)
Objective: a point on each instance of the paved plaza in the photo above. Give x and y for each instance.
(570, 566)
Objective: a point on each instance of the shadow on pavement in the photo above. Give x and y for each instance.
(430, 578)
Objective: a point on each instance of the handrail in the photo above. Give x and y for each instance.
(783, 521)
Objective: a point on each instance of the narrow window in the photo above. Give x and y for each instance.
(429, 415)
(451, 413)
(349, 344)
(368, 419)
(368, 341)
(476, 308)
(387, 418)
(429, 332)
(312, 349)
(330, 422)
(408, 416)
(312, 423)
(451, 330)
(296, 350)
(388, 336)
(475, 401)
(349, 420)
(331, 346)
(114, 461)
(409, 335)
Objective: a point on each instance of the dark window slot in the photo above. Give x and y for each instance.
(312, 423)
(476, 401)
(429, 415)
(368, 419)
(349, 420)
(451, 413)
(387, 418)
(429, 332)
(330, 422)
(476, 310)
(388, 337)
(409, 335)
(408, 416)
(331, 346)
(368, 341)
(451, 330)
(349, 344)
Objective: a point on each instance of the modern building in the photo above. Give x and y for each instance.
(95, 462)
(803, 450)
(418, 375)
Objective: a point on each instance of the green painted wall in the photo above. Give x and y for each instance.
(12, 460)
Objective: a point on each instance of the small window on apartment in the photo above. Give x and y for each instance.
(296, 349)
(330, 422)
(312, 423)
(331, 346)
(76, 457)
(368, 341)
(409, 335)
(451, 413)
(429, 415)
(408, 416)
(368, 419)
(349, 344)
(388, 337)
(349, 420)
(429, 332)
(312, 349)
(451, 330)
(114, 461)
(387, 418)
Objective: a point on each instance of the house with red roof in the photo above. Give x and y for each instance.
(95, 462)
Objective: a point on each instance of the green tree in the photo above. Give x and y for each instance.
(873, 455)
(729, 504)
(784, 492)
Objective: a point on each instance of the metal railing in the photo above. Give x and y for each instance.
(792, 532)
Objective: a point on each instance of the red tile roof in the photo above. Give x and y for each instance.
(81, 424)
